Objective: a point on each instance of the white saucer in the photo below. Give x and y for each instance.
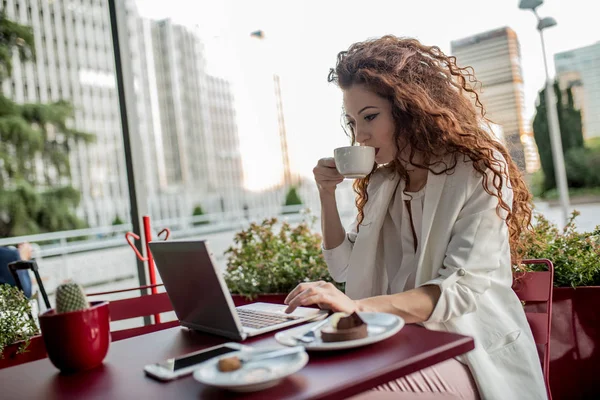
(380, 326)
(253, 376)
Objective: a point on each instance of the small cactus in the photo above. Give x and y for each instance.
(70, 297)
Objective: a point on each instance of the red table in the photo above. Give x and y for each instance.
(328, 375)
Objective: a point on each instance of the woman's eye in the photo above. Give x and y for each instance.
(370, 117)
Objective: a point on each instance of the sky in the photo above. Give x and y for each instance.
(302, 39)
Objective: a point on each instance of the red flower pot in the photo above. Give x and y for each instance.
(77, 340)
(575, 343)
(35, 351)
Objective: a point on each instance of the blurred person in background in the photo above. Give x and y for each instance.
(10, 254)
(438, 225)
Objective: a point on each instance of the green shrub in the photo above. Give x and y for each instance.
(575, 255)
(582, 166)
(593, 143)
(292, 198)
(263, 260)
(198, 211)
(16, 323)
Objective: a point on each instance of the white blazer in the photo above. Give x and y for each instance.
(465, 251)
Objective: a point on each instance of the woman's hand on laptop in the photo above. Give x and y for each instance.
(324, 294)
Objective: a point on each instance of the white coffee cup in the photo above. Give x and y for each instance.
(354, 161)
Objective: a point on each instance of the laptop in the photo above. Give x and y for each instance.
(201, 300)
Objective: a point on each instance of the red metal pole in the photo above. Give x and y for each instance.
(151, 270)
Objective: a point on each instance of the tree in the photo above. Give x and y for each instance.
(569, 119)
(35, 141)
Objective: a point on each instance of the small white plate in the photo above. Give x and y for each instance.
(253, 376)
(380, 326)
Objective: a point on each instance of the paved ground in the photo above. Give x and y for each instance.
(586, 222)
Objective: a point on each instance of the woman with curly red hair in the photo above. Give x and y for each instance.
(439, 220)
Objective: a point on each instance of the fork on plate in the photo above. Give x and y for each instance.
(309, 336)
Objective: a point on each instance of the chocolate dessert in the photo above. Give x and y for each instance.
(347, 328)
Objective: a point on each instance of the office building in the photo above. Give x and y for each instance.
(224, 132)
(580, 70)
(496, 58)
(75, 62)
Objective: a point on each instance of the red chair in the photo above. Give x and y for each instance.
(142, 306)
(535, 289)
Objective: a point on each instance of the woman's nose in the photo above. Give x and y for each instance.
(362, 136)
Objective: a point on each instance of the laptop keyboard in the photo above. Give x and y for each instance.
(258, 319)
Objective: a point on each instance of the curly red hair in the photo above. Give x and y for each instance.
(437, 113)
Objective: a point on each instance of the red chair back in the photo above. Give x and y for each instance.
(535, 289)
(134, 307)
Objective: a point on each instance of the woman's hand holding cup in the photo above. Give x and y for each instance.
(350, 162)
(327, 176)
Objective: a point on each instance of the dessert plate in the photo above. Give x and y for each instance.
(380, 326)
(253, 376)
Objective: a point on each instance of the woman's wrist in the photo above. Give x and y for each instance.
(361, 307)
(326, 193)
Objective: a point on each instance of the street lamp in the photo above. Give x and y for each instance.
(560, 173)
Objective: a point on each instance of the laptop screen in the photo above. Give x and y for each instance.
(195, 287)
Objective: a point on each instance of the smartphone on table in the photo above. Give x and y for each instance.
(177, 367)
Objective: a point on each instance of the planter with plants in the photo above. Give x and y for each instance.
(20, 341)
(269, 259)
(197, 216)
(293, 202)
(575, 336)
